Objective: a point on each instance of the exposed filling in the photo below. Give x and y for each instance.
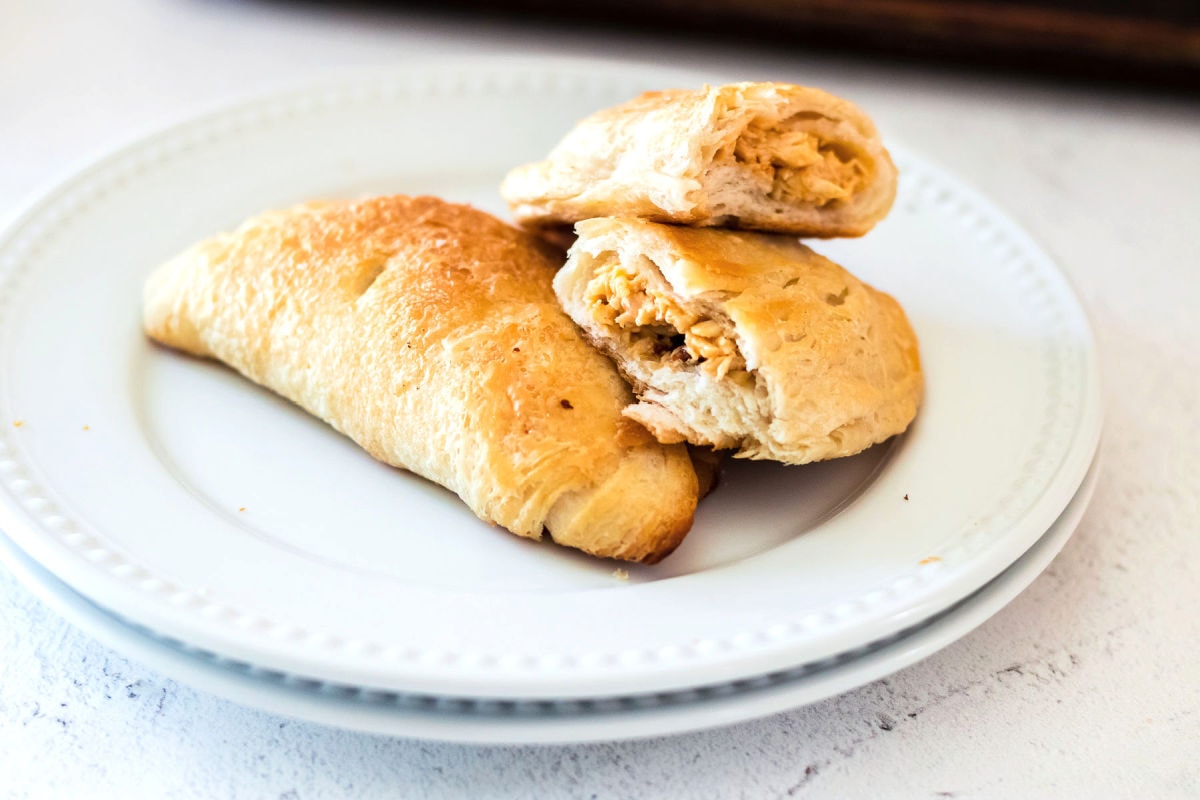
(655, 326)
(799, 167)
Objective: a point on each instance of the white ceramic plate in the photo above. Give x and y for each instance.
(187, 501)
(548, 721)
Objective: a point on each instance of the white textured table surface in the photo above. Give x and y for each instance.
(1088, 685)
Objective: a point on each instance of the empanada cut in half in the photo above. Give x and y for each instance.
(763, 156)
(428, 333)
(743, 340)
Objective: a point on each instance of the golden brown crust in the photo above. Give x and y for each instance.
(429, 334)
(823, 365)
(761, 156)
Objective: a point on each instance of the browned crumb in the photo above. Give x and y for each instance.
(905, 497)
(243, 508)
(929, 560)
(17, 423)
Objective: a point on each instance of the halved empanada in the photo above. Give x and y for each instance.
(763, 156)
(743, 340)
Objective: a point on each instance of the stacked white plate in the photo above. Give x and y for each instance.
(209, 528)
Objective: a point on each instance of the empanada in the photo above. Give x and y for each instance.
(429, 333)
(743, 340)
(763, 156)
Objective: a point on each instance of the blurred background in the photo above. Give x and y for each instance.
(1155, 41)
(77, 76)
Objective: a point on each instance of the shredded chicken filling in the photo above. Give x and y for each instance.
(799, 167)
(657, 326)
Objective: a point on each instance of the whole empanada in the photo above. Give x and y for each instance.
(429, 333)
